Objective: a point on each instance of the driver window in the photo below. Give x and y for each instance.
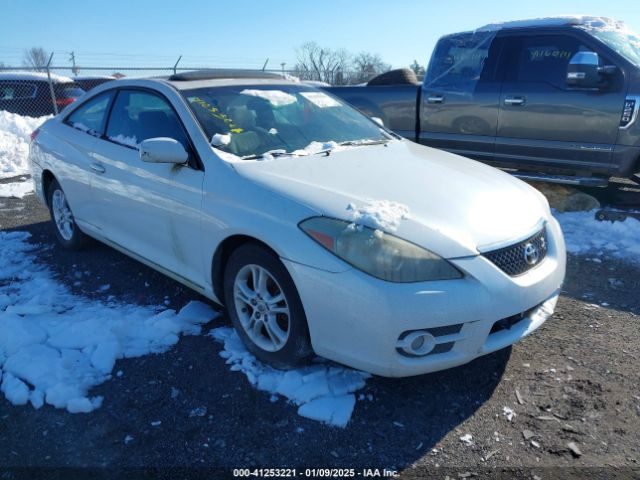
(138, 116)
(544, 59)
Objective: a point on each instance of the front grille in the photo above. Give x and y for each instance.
(521, 257)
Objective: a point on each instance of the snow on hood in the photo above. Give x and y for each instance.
(457, 206)
(381, 214)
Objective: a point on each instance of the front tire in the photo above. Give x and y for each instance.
(265, 307)
(64, 225)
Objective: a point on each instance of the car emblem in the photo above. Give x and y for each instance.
(531, 254)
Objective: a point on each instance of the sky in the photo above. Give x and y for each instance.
(244, 34)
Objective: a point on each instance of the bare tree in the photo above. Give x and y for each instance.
(337, 67)
(367, 65)
(36, 58)
(417, 68)
(321, 63)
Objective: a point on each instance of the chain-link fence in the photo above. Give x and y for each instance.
(46, 90)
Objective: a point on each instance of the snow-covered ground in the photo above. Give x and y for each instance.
(321, 391)
(56, 346)
(16, 189)
(15, 134)
(584, 235)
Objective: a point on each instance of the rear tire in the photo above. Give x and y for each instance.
(401, 76)
(64, 224)
(265, 307)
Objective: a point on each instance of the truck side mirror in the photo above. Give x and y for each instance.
(584, 70)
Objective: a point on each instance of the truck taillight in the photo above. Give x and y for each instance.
(34, 134)
(63, 102)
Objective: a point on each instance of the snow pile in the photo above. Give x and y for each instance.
(55, 346)
(584, 234)
(322, 392)
(277, 98)
(16, 189)
(379, 214)
(15, 135)
(220, 139)
(317, 147)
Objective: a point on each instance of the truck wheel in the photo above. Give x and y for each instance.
(265, 308)
(401, 76)
(65, 227)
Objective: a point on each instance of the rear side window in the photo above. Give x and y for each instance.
(68, 90)
(138, 116)
(459, 62)
(16, 91)
(544, 58)
(90, 116)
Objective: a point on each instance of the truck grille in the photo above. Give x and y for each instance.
(521, 257)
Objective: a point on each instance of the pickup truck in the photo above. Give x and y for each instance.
(551, 99)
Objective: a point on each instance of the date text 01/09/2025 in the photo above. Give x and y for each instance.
(315, 472)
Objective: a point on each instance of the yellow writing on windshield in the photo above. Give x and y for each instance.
(215, 112)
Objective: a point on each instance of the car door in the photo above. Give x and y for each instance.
(459, 96)
(543, 122)
(150, 209)
(80, 131)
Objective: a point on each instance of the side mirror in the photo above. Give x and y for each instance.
(378, 120)
(162, 150)
(584, 70)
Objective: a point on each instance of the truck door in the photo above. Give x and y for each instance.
(460, 94)
(546, 124)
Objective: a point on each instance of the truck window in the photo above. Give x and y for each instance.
(544, 59)
(459, 62)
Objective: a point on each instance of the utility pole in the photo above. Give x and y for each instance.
(282, 65)
(72, 59)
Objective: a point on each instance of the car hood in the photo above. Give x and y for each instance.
(457, 207)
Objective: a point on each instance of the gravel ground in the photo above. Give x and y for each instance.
(573, 387)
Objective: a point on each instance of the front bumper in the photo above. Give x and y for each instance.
(358, 320)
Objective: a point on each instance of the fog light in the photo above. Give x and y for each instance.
(417, 343)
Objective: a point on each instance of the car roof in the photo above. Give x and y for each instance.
(34, 76)
(95, 77)
(224, 77)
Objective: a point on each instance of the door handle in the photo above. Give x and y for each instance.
(96, 167)
(435, 99)
(514, 101)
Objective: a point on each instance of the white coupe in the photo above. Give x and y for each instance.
(319, 230)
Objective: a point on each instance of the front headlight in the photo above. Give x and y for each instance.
(379, 254)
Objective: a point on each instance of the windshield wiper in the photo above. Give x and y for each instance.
(357, 143)
(273, 153)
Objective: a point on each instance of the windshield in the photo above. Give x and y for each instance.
(626, 43)
(251, 120)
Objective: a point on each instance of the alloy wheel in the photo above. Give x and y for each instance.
(262, 307)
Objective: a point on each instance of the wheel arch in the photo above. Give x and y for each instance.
(221, 256)
(47, 179)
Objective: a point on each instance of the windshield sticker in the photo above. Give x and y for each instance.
(277, 98)
(215, 112)
(320, 99)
